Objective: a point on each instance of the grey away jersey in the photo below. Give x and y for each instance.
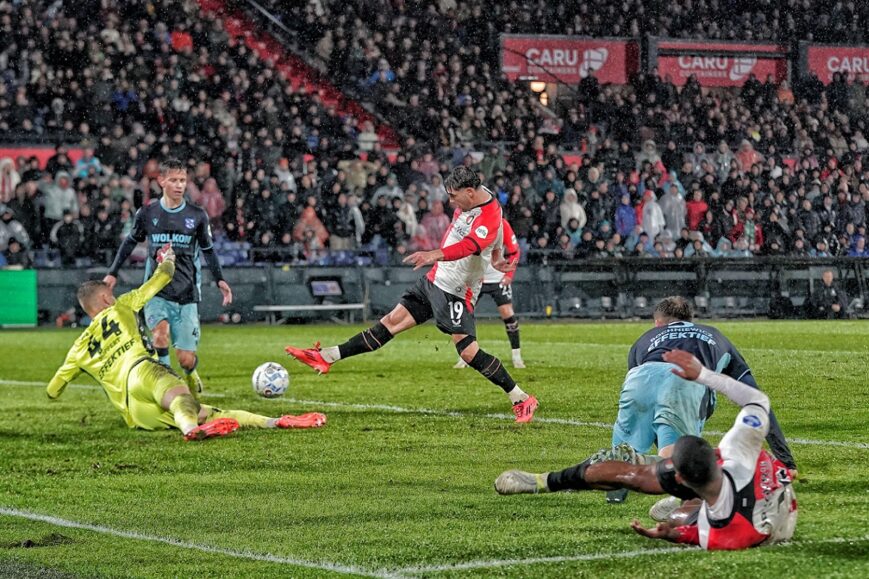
(186, 228)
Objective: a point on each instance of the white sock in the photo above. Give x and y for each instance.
(185, 425)
(517, 353)
(331, 354)
(517, 395)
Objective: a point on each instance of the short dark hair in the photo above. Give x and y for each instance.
(172, 164)
(89, 289)
(675, 307)
(460, 178)
(694, 460)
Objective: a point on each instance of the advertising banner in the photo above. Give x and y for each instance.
(825, 61)
(720, 64)
(567, 59)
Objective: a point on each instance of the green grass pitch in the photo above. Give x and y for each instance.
(399, 483)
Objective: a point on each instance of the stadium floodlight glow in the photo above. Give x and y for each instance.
(538, 86)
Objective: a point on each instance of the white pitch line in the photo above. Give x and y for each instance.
(543, 419)
(83, 386)
(250, 555)
(495, 563)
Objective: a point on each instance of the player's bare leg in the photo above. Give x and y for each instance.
(508, 316)
(160, 338)
(188, 361)
(603, 476)
(517, 481)
(374, 338)
(489, 366)
(185, 411)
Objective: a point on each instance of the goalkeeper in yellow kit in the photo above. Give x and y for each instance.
(148, 394)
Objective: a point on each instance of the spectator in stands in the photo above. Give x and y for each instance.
(673, 208)
(58, 198)
(652, 217)
(310, 231)
(342, 225)
(827, 301)
(859, 249)
(87, 164)
(571, 209)
(10, 228)
(16, 255)
(9, 179)
(695, 210)
(67, 235)
(212, 201)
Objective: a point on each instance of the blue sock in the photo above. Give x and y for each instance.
(163, 356)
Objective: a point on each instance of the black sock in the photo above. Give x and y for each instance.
(365, 341)
(492, 368)
(572, 478)
(512, 326)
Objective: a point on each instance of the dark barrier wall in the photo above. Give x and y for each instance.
(587, 289)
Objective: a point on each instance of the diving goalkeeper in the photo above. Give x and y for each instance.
(148, 394)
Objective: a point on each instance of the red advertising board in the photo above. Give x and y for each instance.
(825, 61)
(720, 64)
(567, 59)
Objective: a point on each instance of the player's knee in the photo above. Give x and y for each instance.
(467, 348)
(511, 323)
(186, 359)
(160, 334)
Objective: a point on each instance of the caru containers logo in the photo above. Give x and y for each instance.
(567, 59)
(717, 64)
(825, 61)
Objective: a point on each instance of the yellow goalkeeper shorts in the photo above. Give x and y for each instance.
(147, 384)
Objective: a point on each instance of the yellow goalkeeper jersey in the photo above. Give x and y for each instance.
(112, 344)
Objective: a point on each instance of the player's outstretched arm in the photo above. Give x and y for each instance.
(690, 368)
(137, 298)
(64, 375)
(684, 534)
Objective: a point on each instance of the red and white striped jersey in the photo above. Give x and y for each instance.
(757, 503)
(510, 252)
(479, 229)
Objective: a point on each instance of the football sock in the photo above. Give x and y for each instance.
(163, 356)
(512, 326)
(192, 370)
(365, 341)
(186, 411)
(572, 478)
(517, 395)
(243, 417)
(491, 367)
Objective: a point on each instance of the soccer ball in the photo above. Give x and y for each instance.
(270, 380)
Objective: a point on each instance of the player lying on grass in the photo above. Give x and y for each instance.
(747, 498)
(148, 394)
(447, 294)
(656, 407)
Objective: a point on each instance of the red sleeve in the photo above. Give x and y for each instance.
(483, 231)
(511, 246)
(688, 535)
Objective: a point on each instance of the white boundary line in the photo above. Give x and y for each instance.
(354, 570)
(455, 414)
(250, 555)
(83, 386)
(543, 419)
(495, 563)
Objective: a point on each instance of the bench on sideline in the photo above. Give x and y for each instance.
(350, 309)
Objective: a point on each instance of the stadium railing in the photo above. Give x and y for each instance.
(592, 289)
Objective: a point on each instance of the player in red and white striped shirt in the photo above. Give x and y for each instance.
(746, 494)
(448, 293)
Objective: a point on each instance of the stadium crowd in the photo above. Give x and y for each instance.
(769, 170)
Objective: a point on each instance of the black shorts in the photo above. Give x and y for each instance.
(424, 300)
(502, 294)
